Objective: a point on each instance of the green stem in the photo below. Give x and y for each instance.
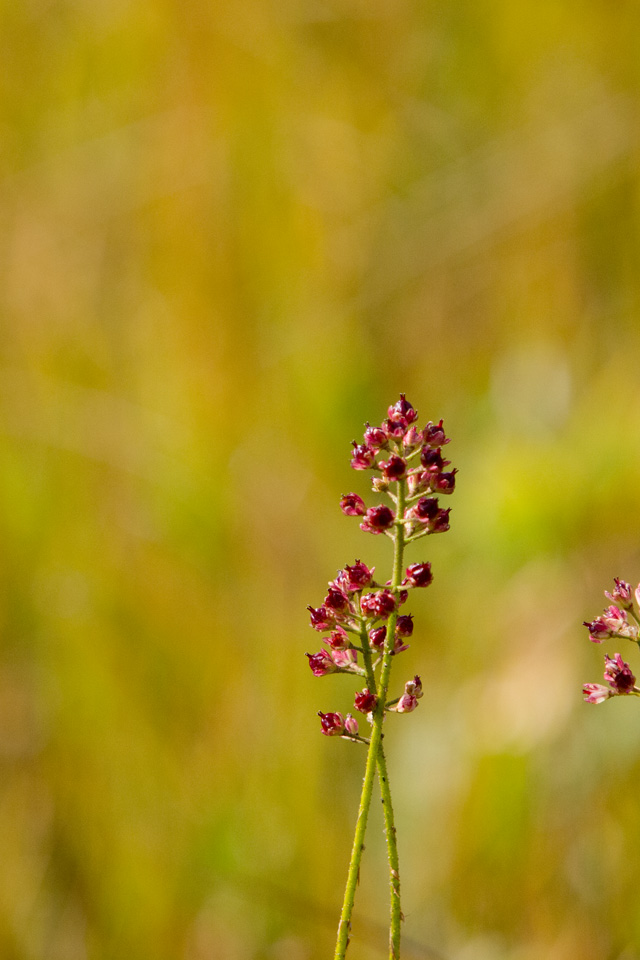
(344, 926)
(376, 758)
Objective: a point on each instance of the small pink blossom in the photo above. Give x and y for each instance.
(332, 724)
(596, 693)
(352, 505)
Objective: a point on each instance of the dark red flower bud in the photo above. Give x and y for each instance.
(366, 701)
(404, 625)
(321, 663)
(377, 636)
(432, 460)
(363, 457)
(394, 468)
(379, 604)
(433, 435)
(378, 519)
(618, 674)
(446, 482)
(332, 724)
(335, 600)
(375, 438)
(402, 411)
(418, 575)
(352, 505)
(425, 509)
(358, 576)
(321, 618)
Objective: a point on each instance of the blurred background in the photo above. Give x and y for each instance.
(231, 234)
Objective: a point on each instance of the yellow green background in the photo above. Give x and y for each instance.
(231, 234)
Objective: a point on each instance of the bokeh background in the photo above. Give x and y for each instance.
(231, 233)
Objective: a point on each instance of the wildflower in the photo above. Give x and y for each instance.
(394, 468)
(433, 435)
(365, 701)
(321, 663)
(332, 724)
(618, 674)
(363, 456)
(375, 438)
(621, 594)
(358, 576)
(418, 575)
(351, 725)
(378, 519)
(596, 693)
(379, 604)
(402, 412)
(352, 505)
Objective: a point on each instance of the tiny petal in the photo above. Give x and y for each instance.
(352, 505)
(343, 659)
(596, 693)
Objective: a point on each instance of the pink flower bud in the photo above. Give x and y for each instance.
(352, 505)
(365, 701)
(433, 435)
(406, 704)
(432, 460)
(332, 724)
(414, 687)
(402, 412)
(363, 457)
(418, 575)
(351, 725)
(375, 438)
(621, 594)
(377, 636)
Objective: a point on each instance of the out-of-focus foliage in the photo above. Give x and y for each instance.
(231, 233)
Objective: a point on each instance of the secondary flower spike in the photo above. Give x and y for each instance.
(622, 621)
(359, 615)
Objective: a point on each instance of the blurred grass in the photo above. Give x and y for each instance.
(230, 235)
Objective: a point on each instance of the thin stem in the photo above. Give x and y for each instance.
(376, 758)
(344, 926)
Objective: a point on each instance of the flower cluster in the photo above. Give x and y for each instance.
(621, 620)
(360, 614)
